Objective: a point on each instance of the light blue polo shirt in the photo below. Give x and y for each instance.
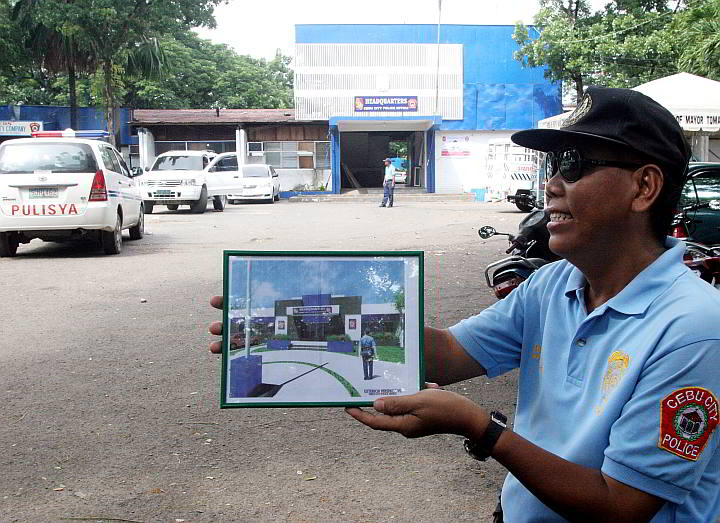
(630, 388)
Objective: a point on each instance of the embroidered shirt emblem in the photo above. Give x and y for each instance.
(617, 366)
(583, 107)
(688, 417)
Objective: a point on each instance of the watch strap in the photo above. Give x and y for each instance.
(482, 448)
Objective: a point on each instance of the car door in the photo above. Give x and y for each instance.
(131, 199)
(275, 181)
(227, 175)
(117, 184)
(703, 191)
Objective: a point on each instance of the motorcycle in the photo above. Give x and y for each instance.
(528, 249)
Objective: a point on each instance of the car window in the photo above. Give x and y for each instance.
(255, 171)
(62, 157)
(703, 188)
(178, 163)
(124, 170)
(228, 163)
(109, 159)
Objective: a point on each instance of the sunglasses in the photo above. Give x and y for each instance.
(572, 166)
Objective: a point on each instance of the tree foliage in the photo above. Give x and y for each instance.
(628, 43)
(698, 34)
(137, 53)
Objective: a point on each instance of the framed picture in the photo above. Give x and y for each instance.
(321, 328)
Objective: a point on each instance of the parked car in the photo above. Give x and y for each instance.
(187, 178)
(237, 341)
(701, 196)
(260, 182)
(64, 188)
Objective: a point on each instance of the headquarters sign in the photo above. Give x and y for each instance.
(366, 104)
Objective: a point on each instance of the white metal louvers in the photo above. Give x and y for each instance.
(329, 76)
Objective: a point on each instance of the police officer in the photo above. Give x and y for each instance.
(617, 345)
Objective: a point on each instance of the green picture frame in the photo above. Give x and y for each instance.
(321, 328)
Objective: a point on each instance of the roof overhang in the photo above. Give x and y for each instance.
(370, 123)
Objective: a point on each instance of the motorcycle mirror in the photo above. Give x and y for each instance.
(486, 231)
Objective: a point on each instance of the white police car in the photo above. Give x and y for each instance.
(64, 185)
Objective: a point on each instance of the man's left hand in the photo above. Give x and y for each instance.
(430, 411)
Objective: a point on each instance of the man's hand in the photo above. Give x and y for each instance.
(430, 411)
(216, 327)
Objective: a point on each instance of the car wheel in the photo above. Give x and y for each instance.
(8, 244)
(172, 206)
(524, 207)
(219, 203)
(149, 207)
(200, 206)
(138, 231)
(112, 240)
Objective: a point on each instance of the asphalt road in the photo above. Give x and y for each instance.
(110, 399)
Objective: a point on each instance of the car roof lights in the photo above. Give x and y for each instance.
(70, 133)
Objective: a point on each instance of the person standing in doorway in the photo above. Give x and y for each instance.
(388, 183)
(367, 353)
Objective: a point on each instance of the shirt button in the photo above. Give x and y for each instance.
(581, 342)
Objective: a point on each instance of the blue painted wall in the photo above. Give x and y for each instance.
(57, 118)
(499, 94)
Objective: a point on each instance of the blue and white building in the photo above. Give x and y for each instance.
(453, 93)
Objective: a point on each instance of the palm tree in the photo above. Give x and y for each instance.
(56, 51)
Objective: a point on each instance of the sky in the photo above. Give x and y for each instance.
(259, 28)
(374, 280)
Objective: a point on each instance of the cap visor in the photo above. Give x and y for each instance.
(553, 139)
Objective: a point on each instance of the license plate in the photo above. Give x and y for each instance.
(163, 192)
(43, 192)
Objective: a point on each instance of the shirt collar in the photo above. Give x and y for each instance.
(637, 295)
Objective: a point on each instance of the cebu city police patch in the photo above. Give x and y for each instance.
(688, 417)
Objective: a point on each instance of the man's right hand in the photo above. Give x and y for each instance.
(216, 327)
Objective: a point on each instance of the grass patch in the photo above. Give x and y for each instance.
(391, 354)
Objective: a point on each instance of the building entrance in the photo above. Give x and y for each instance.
(362, 155)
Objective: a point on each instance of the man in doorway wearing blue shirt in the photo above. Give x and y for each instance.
(617, 345)
(388, 183)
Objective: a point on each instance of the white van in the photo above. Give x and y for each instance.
(184, 178)
(65, 188)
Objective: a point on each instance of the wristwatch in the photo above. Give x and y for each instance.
(482, 448)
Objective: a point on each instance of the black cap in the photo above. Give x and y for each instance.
(617, 116)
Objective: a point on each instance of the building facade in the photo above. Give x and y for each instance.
(440, 93)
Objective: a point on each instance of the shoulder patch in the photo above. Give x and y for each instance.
(688, 417)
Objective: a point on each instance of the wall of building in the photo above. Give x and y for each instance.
(461, 158)
(57, 118)
(499, 93)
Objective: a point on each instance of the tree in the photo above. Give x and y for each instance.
(399, 301)
(55, 50)
(120, 35)
(629, 43)
(698, 35)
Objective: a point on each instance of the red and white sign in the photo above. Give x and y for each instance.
(19, 128)
(51, 209)
(688, 417)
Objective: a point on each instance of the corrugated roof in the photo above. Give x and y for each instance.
(210, 116)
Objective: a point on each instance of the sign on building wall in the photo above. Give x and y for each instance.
(385, 103)
(457, 147)
(19, 128)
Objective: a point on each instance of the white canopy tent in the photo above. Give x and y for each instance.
(693, 100)
(695, 103)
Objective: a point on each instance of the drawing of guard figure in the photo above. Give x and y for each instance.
(367, 353)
